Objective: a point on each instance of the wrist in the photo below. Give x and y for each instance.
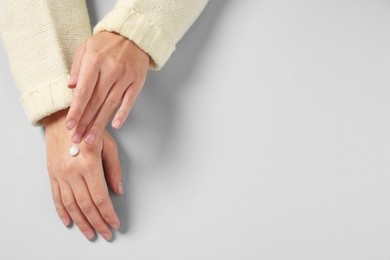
(55, 118)
(54, 126)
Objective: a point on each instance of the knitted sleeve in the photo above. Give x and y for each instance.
(40, 38)
(154, 25)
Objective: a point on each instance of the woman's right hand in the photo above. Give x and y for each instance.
(78, 184)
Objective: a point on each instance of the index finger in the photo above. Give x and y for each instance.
(87, 80)
(77, 60)
(99, 192)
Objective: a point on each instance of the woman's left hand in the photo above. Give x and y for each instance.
(108, 72)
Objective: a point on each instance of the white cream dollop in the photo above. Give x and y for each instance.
(74, 150)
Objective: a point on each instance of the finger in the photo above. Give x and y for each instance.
(98, 189)
(60, 208)
(112, 165)
(127, 104)
(78, 217)
(74, 72)
(108, 108)
(102, 88)
(87, 79)
(89, 209)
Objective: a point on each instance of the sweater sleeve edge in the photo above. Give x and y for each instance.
(45, 99)
(142, 31)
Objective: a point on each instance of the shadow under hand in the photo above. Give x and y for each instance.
(122, 202)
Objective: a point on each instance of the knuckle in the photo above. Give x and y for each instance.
(94, 58)
(81, 224)
(130, 72)
(120, 67)
(115, 65)
(95, 103)
(116, 172)
(60, 209)
(100, 201)
(90, 166)
(85, 206)
(111, 103)
(92, 50)
(99, 225)
(67, 168)
(70, 204)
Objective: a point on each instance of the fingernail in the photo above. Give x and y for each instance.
(116, 124)
(65, 222)
(106, 236)
(89, 235)
(119, 188)
(115, 226)
(76, 138)
(90, 138)
(72, 80)
(70, 124)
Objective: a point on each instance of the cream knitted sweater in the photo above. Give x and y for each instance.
(41, 36)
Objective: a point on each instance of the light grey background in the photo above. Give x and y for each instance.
(266, 136)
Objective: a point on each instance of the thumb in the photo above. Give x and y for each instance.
(77, 60)
(111, 164)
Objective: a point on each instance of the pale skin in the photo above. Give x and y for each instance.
(108, 73)
(80, 184)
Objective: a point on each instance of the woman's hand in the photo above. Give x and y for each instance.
(78, 183)
(108, 72)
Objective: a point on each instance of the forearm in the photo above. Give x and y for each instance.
(154, 25)
(40, 38)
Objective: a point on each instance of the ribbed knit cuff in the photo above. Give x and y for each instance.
(141, 30)
(46, 99)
